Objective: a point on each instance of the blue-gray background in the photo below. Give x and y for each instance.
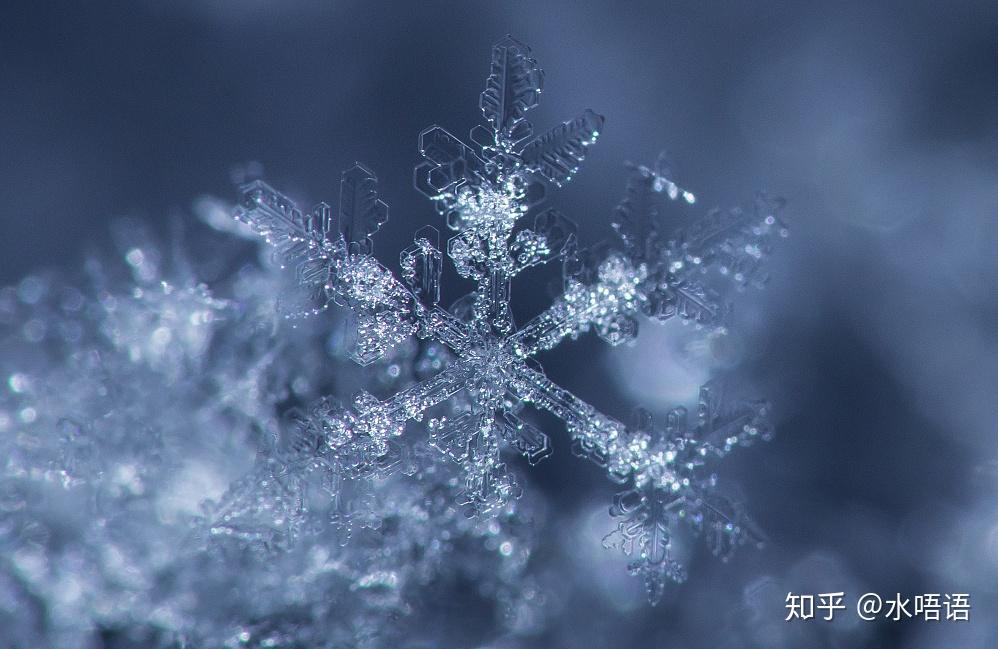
(877, 338)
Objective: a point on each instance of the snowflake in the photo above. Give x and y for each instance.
(474, 406)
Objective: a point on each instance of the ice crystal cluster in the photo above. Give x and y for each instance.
(180, 465)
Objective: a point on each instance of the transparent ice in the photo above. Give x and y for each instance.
(181, 468)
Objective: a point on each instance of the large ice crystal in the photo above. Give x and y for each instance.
(181, 466)
(474, 407)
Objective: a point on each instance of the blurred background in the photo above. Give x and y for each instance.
(876, 340)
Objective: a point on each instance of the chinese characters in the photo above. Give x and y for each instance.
(930, 607)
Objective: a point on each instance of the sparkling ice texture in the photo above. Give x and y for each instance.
(219, 491)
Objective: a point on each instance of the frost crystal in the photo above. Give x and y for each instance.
(180, 466)
(474, 407)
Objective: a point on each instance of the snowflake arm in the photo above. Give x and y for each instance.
(484, 197)
(513, 87)
(557, 154)
(610, 304)
(594, 434)
(337, 266)
(670, 486)
(732, 242)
